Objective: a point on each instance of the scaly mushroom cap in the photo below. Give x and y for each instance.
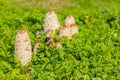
(51, 21)
(23, 47)
(69, 20)
(64, 31)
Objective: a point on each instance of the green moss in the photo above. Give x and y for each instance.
(93, 53)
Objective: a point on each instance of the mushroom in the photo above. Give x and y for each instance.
(58, 44)
(64, 31)
(22, 47)
(36, 45)
(73, 29)
(50, 34)
(69, 20)
(69, 28)
(38, 32)
(51, 22)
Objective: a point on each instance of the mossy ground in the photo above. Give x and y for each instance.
(93, 53)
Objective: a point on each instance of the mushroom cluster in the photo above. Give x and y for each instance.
(23, 47)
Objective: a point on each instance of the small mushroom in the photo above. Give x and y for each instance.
(36, 45)
(58, 44)
(69, 20)
(50, 43)
(73, 29)
(69, 28)
(50, 33)
(30, 70)
(64, 31)
(38, 32)
(22, 47)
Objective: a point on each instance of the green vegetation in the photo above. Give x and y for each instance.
(93, 54)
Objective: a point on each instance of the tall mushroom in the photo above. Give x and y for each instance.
(23, 47)
(51, 23)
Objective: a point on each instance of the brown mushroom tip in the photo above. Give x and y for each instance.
(21, 31)
(51, 12)
(70, 16)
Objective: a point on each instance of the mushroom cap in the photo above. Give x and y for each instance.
(64, 31)
(68, 31)
(69, 28)
(51, 21)
(69, 20)
(23, 47)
